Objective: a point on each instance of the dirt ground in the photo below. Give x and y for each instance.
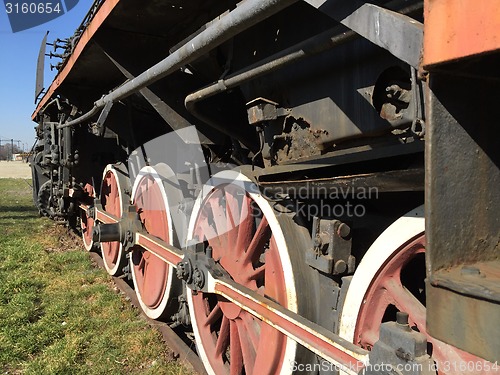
(14, 169)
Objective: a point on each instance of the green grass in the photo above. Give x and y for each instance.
(58, 313)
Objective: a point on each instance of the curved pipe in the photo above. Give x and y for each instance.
(87, 116)
(309, 47)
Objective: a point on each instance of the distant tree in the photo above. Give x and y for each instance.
(6, 152)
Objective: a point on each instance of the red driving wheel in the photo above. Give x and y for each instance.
(253, 245)
(399, 286)
(152, 276)
(112, 201)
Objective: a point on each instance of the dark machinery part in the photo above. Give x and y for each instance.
(331, 250)
(123, 231)
(400, 351)
(182, 317)
(463, 176)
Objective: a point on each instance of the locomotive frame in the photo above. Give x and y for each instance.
(213, 150)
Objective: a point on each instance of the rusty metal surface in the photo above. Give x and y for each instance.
(382, 182)
(185, 353)
(480, 280)
(360, 156)
(468, 323)
(462, 172)
(455, 29)
(462, 201)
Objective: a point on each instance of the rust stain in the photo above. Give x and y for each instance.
(454, 29)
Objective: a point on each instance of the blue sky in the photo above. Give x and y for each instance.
(18, 56)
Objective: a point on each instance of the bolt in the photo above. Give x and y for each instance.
(340, 266)
(402, 320)
(181, 270)
(129, 237)
(198, 278)
(126, 269)
(343, 230)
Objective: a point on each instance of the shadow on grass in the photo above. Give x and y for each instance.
(33, 215)
(31, 209)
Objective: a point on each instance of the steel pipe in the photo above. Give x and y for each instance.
(309, 47)
(315, 45)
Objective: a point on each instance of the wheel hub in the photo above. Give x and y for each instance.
(229, 309)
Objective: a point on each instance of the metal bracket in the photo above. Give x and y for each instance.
(262, 110)
(98, 126)
(401, 35)
(123, 231)
(331, 248)
(400, 350)
(197, 266)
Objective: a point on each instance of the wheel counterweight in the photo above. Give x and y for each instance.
(241, 230)
(113, 201)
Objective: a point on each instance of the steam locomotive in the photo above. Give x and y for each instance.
(309, 186)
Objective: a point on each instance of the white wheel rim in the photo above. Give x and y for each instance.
(405, 228)
(88, 245)
(113, 270)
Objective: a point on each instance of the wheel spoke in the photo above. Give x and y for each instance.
(235, 353)
(407, 302)
(223, 339)
(214, 315)
(252, 328)
(142, 264)
(257, 273)
(246, 225)
(370, 337)
(228, 337)
(258, 241)
(232, 216)
(145, 275)
(247, 347)
(218, 213)
(208, 231)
